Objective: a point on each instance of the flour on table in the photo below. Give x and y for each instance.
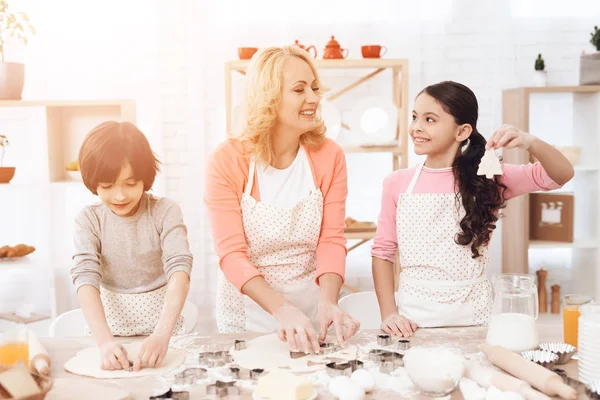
(270, 353)
(87, 363)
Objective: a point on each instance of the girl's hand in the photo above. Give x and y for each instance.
(396, 324)
(510, 137)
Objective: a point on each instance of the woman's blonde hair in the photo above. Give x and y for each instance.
(263, 92)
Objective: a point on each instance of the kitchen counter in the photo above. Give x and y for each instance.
(466, 339)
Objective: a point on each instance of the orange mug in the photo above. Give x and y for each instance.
(246, 53)
(373, 51)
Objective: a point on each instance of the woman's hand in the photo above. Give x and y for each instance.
(293, 322)
(331, 314)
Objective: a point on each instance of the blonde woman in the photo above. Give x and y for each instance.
(276, 199)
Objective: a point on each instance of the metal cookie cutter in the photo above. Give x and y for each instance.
(190, 376)
(214, 359)
(170, 394)
(297, 354)
(375, 354)
(343, 368)
(593, 390)
(387, 360)
(256, 373)
(222, 389)
(384, 340)
(403, 344)
(328, 348)
(240, 345)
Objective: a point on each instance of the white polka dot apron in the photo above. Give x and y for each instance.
(134, 314)
(282, 244)
(440, 283)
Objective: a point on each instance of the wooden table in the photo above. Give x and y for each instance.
(467, 339)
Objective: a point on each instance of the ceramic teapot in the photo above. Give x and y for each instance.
(333, 50)
(312, 50)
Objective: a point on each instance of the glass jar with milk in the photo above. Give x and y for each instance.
(514, 313)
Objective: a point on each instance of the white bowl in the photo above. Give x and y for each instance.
(436, 371)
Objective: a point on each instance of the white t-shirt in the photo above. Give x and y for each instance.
(285, 187)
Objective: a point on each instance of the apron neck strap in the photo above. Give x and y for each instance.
(251, 169)
(414, 179)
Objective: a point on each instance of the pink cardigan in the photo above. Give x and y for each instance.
(227, 174)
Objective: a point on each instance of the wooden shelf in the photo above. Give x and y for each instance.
(341, 63)
(542, 244)
(556, 89)
(519, 253)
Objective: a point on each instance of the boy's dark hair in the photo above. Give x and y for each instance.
(111, 145)
(481, 197)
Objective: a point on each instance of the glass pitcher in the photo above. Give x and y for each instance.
(514, 312)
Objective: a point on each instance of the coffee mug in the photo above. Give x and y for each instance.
(373, 51)
(246, 53)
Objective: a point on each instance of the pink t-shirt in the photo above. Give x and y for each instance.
(519, 179)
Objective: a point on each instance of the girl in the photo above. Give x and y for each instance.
(132, 258)
(276, 200)
(441, 215)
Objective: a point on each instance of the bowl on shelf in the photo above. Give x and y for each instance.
(6, 174)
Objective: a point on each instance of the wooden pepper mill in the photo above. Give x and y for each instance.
(555, 304)
(542, 275)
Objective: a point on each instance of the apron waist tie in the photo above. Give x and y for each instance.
(443, 284)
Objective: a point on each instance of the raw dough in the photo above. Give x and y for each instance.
(87, 363)
(489, 165)
(283, 385)
(270, 353)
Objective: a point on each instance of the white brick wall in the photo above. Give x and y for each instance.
(478, 43)
(169, 58)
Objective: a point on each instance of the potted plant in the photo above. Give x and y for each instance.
(15, 26)
(595, 40)
(589, 64)
(540, 75)
(6, 173)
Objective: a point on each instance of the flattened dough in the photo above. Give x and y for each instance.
(87, 363)
(270, 353)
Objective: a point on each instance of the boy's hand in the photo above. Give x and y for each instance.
(113, 356)
(153, 351)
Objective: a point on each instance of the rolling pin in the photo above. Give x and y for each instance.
(486, 377)
(39, 360)
(537, 376)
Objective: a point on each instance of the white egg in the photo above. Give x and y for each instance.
(364, 379)
(351, 391)
(337, 384)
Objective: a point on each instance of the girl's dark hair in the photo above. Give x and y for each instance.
(481, 197)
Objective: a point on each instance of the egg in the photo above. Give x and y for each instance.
(364, 379)
(352, 391)
(338, 383)
(344, 388)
